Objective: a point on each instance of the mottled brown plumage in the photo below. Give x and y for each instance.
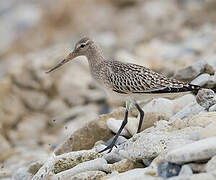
(125, 80)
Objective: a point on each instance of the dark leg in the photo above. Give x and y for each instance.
(117, 134)
(141, 117)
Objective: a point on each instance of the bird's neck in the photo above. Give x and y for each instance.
(94, 56)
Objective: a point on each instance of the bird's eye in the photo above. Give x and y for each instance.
(82, 45)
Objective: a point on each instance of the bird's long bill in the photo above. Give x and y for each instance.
(71, 56)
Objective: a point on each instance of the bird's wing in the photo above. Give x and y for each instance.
(131, 78)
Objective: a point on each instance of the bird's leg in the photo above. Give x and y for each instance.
(119, 131)
(141, 117)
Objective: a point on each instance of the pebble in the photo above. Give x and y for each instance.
(192, 71)
(167, 169)
(158, 141)
(134, 174)
(69, 160)
(206, 98)
(92, 165)
(201, 80)
(200, 150)
(89, 175)
(201, 176)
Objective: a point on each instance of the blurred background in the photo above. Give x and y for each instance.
(38, 111)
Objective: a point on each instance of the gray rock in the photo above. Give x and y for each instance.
(196, 151)
(135, 174)
(201, 80)
(211, 82)
(158, 141)
(93, 165)
(197, 167)
(88, 175)
(167, 169)
(185, 170)
(187, 112)
(206, 98)
(201, 176)
(194, 70)
(22, 174)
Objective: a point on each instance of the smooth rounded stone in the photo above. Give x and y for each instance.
(212, 108)
(196, 151)
(121, 166)
(201, 80)
(185, 170)
(208, 131)
(134, 174)
(192, 71)
(89, 134)
(149, 119)
(200, 176)
(92, 165)
(187, 112)
(167, 169)
(69, 160)
(183, 101)
(202, 119)
(211, 165)
(161, 106)
(158, 141)
(206, 98)
(114, 126)
(88, 175)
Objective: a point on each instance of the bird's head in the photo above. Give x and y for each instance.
(81, 48)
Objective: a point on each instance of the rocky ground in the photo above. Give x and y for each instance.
(53, 126)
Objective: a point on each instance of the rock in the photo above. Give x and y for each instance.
(113, 156)
(187, 112)
(158, 141)
(185, 170)
(121, 166)
(161, 106)
(211, 165)
(92, 165)
(192, 71)
(114, 126)
(98, 131)
(200, 176)
(202, 120)
(149, 119)
(90, 175)
(206, 98)
(167, 169)
(120, 140)
(134, 174)
(5, 148)
(208, 131)
(201, 80)
(34, 167)
(69, 160)
(181, 102)
(200, 150)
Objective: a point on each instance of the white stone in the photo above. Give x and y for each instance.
(199, 150)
